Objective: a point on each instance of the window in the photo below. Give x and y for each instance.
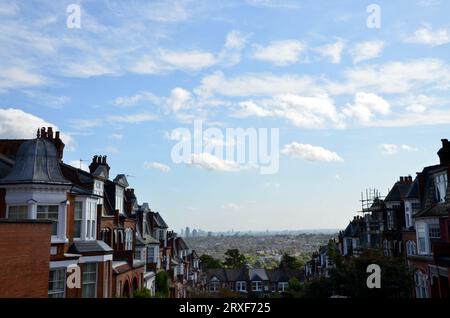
(106, 281)
(152, 254)
(18, 212)
(415, 207)
(390, 220)
(282, 286)
(56, 283)
(214, 286)
(128, 239)
(90, 280)
(441, 183)
(119, 199)
(241, 286)
(161, 235)
(257, 286)
(411, 248)
(421, 239)
(421, 285)
(138, 253)
(434, 231)
(78, 218)
(49, 212)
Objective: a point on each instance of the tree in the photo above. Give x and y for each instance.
(162, 284)
(210, 262)
(290, 262)
(349, 277)
(234, 259)
(295, 288)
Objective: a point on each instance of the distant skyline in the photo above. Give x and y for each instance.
(357, 106)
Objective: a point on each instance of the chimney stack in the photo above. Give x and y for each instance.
(444, 152)
(97, 161)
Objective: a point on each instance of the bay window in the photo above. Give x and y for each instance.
(56, 283)
(49, 212)
(78, 219)
(18, 212)
(257, 286)
(90, 280)
(282, 286)
(241, 286)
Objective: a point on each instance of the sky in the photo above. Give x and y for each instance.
(359, 91)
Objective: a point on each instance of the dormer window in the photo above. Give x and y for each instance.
(119, 199)
(441, 183)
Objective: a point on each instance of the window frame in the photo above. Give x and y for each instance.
(89, 283)
(60, 291)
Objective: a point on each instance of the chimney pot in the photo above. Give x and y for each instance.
(50, 132)
(57, 135)
(104, 160)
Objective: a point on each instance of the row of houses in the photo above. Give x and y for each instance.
(250, 282)
(85, 222)
(412, 222)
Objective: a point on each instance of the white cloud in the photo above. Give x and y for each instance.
(392, 149)
(187, 60)
(389, 149)
(116, 136)
(262, 84)
(302, 111)
(310, 153)
(133, 118)
(231, 206)
(332, 51)
(250, 108)
(416, 108)
(19, 77)
(128, 101)
(8, 9)
(409, 148)
(47, 99)
(366, 106)
(210, 162)
(280, 53)
(17, 124)
(394, 77)
(426, 35)
(235, 40)
(366, 51)
(157, 165)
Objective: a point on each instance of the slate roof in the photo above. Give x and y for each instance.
(236, 275)
(436, 210)
(413, 192)
(216, 272)
(258, 274)
(36, 161)
(94, 246)
(398, 191)
(159, 221)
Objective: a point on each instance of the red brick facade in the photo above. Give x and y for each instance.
(24, 250)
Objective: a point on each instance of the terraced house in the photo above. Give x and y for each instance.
(98, 230)
(412, 222)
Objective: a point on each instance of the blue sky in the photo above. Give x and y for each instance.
(356, 107)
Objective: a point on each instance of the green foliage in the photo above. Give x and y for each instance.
(291, 262)
(295, 288)
(162, 284)
(234, 259)
(349, 278)
(142, 293)
(210, 262)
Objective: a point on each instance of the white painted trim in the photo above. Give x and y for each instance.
(95, 259)
(61, 264)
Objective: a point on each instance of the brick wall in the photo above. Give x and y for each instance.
(25, 257)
